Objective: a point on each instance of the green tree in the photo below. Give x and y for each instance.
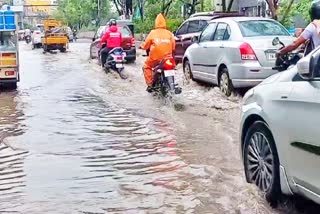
(289, 9)
(80, 13)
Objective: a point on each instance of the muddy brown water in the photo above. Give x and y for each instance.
(80, 141)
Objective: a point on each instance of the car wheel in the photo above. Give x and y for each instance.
(225, 83)
(187, 71)
(10, 86)
(261, 161)
(91, 55)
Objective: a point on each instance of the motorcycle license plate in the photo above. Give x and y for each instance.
(118, 65)
(271, 56)
(169, 73)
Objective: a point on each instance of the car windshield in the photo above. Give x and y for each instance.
(253, 28)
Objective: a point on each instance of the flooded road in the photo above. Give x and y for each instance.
(80, 141)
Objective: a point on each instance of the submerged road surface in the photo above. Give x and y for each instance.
(78, 140)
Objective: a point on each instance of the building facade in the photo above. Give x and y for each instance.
(37, 10)
(254, 7)
(219, 5)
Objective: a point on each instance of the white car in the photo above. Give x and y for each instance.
(234, 52)
(280, 132)
(36, 38)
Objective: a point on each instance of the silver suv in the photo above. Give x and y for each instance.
(280, 138)
(234, 52)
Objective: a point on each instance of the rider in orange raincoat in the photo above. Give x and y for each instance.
(161, 43)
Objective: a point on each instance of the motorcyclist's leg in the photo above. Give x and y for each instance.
(148, 73)
(104, 53)
(107, 53)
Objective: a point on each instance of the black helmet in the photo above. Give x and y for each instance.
(315, 10)
(112, 22)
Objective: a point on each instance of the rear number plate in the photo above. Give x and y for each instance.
(169, 73)
(118, 65)
(271, 56)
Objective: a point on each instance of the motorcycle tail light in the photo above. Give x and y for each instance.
(169, 64)
(9, 73)
(119, 57)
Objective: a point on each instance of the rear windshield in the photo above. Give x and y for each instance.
(125, 31)
(253, 28)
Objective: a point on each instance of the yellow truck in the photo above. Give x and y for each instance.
(9, 58)
(55, 36)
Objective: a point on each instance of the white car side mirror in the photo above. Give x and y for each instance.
(309, 66)
(303, 66)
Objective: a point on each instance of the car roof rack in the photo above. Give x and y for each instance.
(216, 14)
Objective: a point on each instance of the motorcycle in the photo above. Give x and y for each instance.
(28, 39)
(286, 61)
(163, 76)
(115, 61)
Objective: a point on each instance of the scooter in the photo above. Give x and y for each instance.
(163, 75)
(115, 61)
(286, 61)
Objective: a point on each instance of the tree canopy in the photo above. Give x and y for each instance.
(79, 13)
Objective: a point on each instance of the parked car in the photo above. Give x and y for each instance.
(193, 27)
(280, 134)
(234, 52)
(128, 43)
(36, 39)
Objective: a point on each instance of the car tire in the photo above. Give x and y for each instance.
(188, 76)
(261, 161)
(10, 86)
(131, 61)
(225, 83)
(91, 56)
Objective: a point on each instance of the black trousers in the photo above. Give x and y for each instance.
(104, 55)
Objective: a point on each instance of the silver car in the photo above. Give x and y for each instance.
(234, 52)
(280, 137)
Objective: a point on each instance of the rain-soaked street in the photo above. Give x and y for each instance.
(82, 141)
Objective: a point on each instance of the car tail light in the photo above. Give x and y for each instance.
(133, 42)
(38, 33)
(9, 73)
(169, 64)
(247, 53)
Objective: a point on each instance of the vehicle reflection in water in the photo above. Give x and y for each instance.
(12, 175)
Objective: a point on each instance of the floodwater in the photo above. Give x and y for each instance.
(80, 141)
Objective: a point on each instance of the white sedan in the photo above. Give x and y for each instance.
(280, 132)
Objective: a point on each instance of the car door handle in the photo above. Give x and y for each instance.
(284, 97)
(221, 46)
(204, 46)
